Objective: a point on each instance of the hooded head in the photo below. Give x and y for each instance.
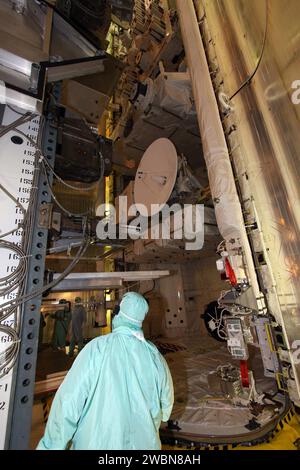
(133, 309)
(65, 305)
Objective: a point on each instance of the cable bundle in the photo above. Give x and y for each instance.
(14, 284)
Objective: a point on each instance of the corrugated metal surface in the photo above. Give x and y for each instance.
(76, 201)
(267, 135)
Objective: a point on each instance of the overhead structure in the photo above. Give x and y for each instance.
(45, 46)
(98, 280)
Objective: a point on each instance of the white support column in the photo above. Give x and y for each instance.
(221, 179)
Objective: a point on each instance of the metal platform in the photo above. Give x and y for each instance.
(90, 281)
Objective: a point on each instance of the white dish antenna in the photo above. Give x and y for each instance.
(156, 175)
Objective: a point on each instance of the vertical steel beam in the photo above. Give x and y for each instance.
(18, 433)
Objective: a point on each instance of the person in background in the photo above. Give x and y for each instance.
(62, 319)
(117, 391)
(92, 306)
(78, 319)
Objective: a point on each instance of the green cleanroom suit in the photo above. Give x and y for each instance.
(117, 392)
(62, 320)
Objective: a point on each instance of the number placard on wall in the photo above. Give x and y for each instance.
(16, 175)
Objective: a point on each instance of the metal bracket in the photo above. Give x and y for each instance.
(56, 221)
(45, 213)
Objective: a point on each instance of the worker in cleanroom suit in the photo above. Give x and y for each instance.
(62, 319)
(78, 319)
(117, 392)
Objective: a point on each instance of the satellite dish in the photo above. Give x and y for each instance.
(156, 174)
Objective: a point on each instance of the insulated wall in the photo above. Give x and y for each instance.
(257, 43)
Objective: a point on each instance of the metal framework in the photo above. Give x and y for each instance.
(18, 430)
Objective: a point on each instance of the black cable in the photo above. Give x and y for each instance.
(248, 80)
(18, 279)
(9, 356)
(9, 307)
(14, 110)
(75, 188)
(13, 280)
(152, 289)
(68, 185)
